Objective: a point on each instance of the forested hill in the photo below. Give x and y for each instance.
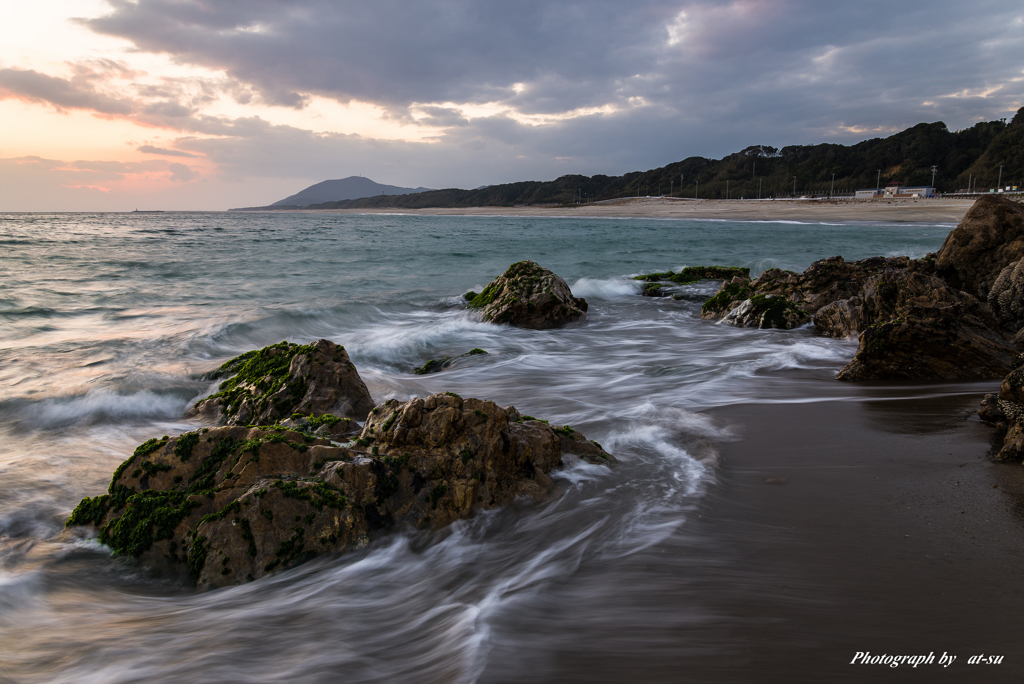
(973, 153)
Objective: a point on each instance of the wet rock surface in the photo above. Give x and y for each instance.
(988, 239)
(528, 296)
(230, 504)
(271, 384)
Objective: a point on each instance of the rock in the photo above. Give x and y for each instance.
(528, 296)
(891, 294)
(728, 297)
(842, 319)
(988, 239)
(990, 411)
(929, 343)
(916, 326)
(824, 282)
(231, 504)
(1006, 412)
(438, 365)
(270, 384)
(654, 290)
(1012, 386)
(1006, 297)
(692, 274)
(767, 311)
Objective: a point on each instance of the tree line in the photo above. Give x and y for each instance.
(969, 156)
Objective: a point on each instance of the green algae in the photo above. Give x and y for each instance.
(721, 301)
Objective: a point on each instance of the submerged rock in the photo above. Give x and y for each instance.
(438, 365)
(988, 239)
(231, 504)
(692, 274)
(528, 296)
(270, 384)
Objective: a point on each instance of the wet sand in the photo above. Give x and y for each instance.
(890, 211)
(881, 526)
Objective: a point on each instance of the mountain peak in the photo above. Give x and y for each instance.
(353, 187)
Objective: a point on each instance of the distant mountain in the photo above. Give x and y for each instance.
(353, 187)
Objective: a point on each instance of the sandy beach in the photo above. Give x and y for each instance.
(897, 210)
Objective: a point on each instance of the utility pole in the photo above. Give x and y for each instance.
(670, 187)
(999, 185)
(878, 181)
(726, 189)
(832, 187)
(934, 170)
(759, 187)
(794, 187)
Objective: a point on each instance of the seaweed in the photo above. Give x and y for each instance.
(184, 445)
(317, 494)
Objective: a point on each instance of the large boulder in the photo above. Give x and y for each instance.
(890, 294)
(268, 385)
(231, 504)
(929, 343)
(988, 239)
(528, 296)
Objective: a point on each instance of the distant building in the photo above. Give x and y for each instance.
(868, 194)
(893, 189)
(897, 190)
(921, 191)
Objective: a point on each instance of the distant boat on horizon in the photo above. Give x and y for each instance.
(153, 211)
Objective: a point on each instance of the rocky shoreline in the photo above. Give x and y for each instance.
(288, 473)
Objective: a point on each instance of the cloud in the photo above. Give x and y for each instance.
(32, 86)
(150, 149)
(537, 88)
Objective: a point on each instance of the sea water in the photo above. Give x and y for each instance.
(107, 322)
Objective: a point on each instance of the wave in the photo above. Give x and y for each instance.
(99, 405)
(604, 288)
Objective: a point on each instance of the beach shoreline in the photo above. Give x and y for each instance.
(939, 210)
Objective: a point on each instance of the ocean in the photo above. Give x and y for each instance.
(107, 322)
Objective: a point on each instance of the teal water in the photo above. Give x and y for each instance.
(108, 320)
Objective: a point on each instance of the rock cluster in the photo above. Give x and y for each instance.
(528, 296)
(951, 315)
(231, 504)
(271, 384)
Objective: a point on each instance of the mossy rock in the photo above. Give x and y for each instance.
(528, 296)
(270, 384)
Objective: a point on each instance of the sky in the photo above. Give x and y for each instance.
(113, 105)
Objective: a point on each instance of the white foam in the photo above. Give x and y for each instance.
(602, 288)
(103, 403)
